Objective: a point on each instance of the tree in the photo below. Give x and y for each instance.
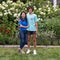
(24, 1)
(14, 0)
(2, 0)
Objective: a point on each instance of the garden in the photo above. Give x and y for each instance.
(48, 25)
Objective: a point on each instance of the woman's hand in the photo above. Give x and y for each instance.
(27, 26)
(24, 26)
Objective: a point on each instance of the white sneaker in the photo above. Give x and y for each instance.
(22, 51)
(28, 51)
(34, 52)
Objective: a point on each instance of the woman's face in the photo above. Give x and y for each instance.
(30, 10)
(23, 15)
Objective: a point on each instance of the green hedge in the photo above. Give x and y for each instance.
(48, 25)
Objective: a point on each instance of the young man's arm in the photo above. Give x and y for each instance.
(36, 23)
(36, 27)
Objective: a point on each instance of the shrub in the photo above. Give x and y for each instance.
(49, 23)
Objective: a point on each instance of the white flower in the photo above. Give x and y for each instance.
(48, 8)
(39, 9)
(1, 14)
(2, 7)
(15, 15)
(29, 3)
(25, 8)
(16, 10)
(13, 3)
(9, 1)
(38, 18)
(18, 14)
(16, 20)
(47, 5)
(55, 9)
(43, 13)
(4, 4)
(9, 12)
(38, 15)
(6, 13)
(5, 10)
(12, 8)
(48, 1)
(41, 19)
(35, 8)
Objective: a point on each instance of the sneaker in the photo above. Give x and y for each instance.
(28, 51)
(22, 51)
(34, 52)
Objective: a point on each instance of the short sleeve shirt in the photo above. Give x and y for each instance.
(32, 19)
(24, 23)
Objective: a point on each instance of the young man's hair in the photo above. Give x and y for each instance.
(30, 7)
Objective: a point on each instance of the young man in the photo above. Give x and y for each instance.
(32, 29)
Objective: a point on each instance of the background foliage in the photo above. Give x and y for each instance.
(49, 21)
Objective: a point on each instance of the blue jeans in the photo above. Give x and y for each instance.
(23, 38)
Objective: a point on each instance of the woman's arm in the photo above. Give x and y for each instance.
(23, 26)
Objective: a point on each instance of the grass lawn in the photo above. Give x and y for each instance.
(42, 54)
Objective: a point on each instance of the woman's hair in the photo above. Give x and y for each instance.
(30, 7)
(25, 15)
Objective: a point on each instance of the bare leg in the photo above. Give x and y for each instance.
(34, 39)
(29, 36)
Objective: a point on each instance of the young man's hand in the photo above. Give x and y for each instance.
(36, 30)
(36, 27)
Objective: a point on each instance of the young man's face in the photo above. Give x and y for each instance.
(30, 10)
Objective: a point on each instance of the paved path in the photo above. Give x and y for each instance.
(17, 46)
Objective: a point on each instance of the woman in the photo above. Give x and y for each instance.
(23, 25)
